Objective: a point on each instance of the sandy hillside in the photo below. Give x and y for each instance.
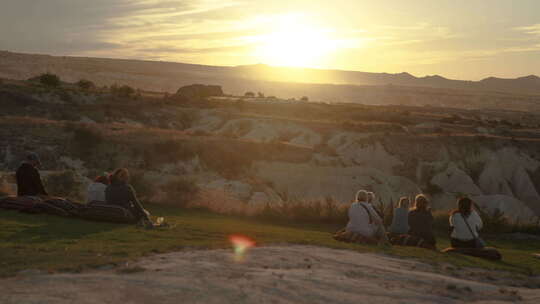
(280, 274)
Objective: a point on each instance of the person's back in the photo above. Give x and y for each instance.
(96, 192)
(400, 221)
(28, 178)
(420, 223)
(460, 229)
(360, 221)
(119, 193)
(421, 220)
(465, 224)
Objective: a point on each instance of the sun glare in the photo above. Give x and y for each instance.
(295, 43)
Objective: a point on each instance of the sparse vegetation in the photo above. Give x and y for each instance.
(86, 85)
(180, 192)
(123, 91)
(49, 80)
(65, 184)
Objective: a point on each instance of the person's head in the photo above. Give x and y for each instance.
(403, 202)
(464, 205)
(104, 179)
(370, 197)
(421, 202)
(33, 159)
(120, 175)
(362, 196)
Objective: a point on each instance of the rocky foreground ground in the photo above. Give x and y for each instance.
(277, 274)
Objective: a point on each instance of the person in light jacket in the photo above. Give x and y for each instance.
(364, 220)
(96, 190)
(461, 219)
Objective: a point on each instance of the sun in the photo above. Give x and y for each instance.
(295, 44)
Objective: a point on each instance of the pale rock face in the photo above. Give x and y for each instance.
(371, 156)
(307, 138)
(524, 189)
(132, 123)
(324, 160)
(75, 164)
(207, 122)
(514, 209)
(259, 199)
(85, 119)
(236, 188)
(182, 167)
(310, 182)
(454, 180)
(262, 132)
(492, 180)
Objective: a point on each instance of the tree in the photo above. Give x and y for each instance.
(249, 94)
(86, 84)
(260, 95)
(304, 98)
(49, 80)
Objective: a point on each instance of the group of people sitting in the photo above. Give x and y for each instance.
(111, 188)
(411, 225)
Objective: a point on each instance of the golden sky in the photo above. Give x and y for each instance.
(454, 38)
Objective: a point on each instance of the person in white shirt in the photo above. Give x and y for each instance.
(96, 190)
(464, 224)
(364, 220)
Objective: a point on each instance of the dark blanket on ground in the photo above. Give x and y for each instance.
(488, 253)
(67, 208)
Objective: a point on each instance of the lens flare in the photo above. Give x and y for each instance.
(240, 244)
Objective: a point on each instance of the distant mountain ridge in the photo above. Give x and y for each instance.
(168, 76)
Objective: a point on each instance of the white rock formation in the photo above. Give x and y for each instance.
(514, 209)
(455, 180)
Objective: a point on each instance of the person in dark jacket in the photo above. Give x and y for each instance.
(421, 220)
(28, 177)
(122, 194)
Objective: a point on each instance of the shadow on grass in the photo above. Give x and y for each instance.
(38, 228)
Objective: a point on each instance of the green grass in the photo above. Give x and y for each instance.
(53, 244)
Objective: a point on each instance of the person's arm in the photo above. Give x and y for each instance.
(479, 223)
(39, 183)
(135, 201)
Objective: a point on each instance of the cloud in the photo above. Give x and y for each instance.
(531, 29)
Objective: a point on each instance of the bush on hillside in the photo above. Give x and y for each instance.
(124, 91)
(86, 84)
(249, 94)
(49, 80)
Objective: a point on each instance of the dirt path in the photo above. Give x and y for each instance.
(277, 274)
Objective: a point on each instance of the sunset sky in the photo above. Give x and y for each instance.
(461, 39)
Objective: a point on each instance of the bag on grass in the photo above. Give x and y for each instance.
(98, 211)
(488, 253)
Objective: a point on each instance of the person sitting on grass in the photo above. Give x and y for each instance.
(96, 190)
(365, 221)
(28, 177)
(122, 194)
(464, 224)
(421, 220)
(400, 221)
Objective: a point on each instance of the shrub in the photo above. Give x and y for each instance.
(49, 80)
(180, 192)
(143, 187)
(124, 91)
(85, 139)
(304, 98)
(86, 84)
(65, 184)
(260, 95)
(249, 94)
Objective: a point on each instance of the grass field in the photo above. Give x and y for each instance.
(53, 244)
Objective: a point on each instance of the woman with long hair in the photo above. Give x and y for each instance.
(421, 220)
(464, 224)
(400, 220)
(121, 193)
